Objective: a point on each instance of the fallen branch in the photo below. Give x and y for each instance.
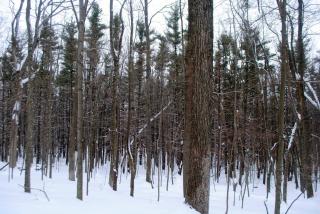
(315, 136)
(44, 192)
(314, 103)
(130, 142)
(293, 202)
(316, 99)
(274, 146)
(4, 166)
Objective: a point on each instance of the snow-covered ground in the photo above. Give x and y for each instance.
(102, 199)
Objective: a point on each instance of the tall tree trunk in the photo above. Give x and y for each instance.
(284, 70)
(130, 97)
(199, 64)
(72, 134)
(116, 53)
(148, 140)
(79, 88)
(306, 141)
(29, 112)
(113, 175)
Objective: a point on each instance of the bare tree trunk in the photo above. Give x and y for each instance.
(113, 176)
(29, 112)
(130, 97)
(79, 88)
(116, 53)
(149, 91)
(16, 86)
(198, 67)
(72, 135)
(29, 140)
(284, 70)
(306, 141)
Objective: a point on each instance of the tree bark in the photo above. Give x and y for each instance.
(130, 97)
(149, 91)
(29, 112)
(284, 70)
(79, 89)
(305, 140)
(199, 64)
(115, 46)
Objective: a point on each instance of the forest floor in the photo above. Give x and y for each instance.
(101, 199)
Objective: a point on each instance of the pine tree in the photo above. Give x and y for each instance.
(48, 44)
(94, 41)
(176, 81)
(9, 133)
(161, 65)
(139, 68)
(66, 76)
(66, 82)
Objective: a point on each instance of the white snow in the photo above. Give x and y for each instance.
(16, 109)
(313, 93)
(293, 132)
(26, 80)
(101, 199)
(16, 106)
(314, 103)
(299, 115)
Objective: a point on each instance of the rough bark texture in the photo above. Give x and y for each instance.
(305, 141)
(72, 136)
(198, 67)
(115, 46)
(81, 27)
(149, 92)
(28, 145)
(284, 70)
(130, 98)
(113, 176)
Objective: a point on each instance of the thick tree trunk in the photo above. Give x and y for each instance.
(199, 64)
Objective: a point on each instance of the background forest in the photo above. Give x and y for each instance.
(109, 88)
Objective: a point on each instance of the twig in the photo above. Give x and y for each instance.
(315, 136)
(44, 192)
(293, 202)
(265, 204)
(4, 166)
